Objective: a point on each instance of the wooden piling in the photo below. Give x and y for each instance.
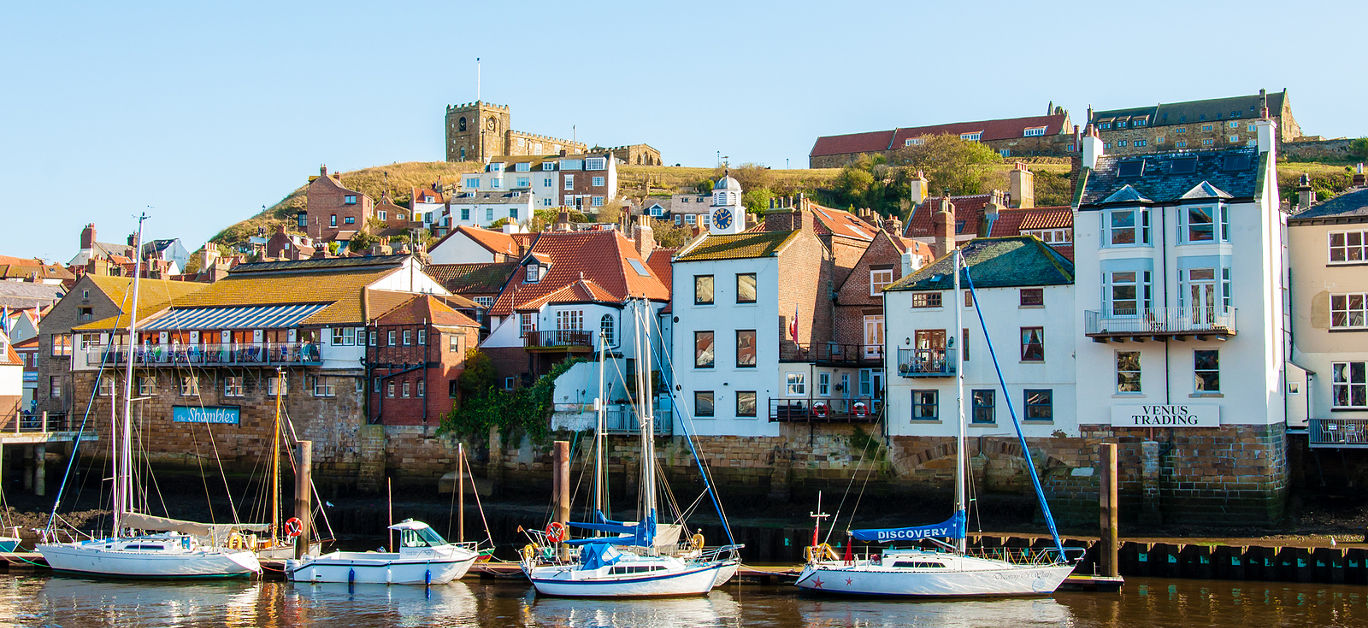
(1107, 499)
(562, 481)
(303, 495)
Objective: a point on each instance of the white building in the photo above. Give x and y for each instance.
(1025, 291)
(482, 209)
(583, 181)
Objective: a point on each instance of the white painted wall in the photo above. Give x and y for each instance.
(458, 248)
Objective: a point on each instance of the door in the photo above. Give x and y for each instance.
(930, 354)
(1201, 295)
(873, 336)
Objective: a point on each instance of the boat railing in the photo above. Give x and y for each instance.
(1022, 555)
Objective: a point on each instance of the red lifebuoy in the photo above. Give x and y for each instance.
(861, 410)
(293, 527)
(819, 410)
(555, 532)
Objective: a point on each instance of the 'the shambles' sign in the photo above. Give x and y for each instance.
(205, 414)
(1168, 415)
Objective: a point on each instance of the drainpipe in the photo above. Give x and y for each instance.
(1163, 237)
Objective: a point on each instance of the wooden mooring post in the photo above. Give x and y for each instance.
(303, 494)
(561, 473)
(1108, 544)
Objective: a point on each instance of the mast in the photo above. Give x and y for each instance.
(600, 407)
(275, 456)
(123, 462)
(648, 401)
(961, 486)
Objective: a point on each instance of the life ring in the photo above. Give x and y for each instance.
(822, 551)
(819, 410)
(696, 541)
(293, 527)
(860, 409)
(555, 532)
(528, 552)
(235, 541)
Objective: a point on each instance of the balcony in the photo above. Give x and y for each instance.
(1337, 433)
(818, 410)
(833, 354)
(1159, 323)
(926, 363)
(208, 355)
(622, 419)
(573, 340)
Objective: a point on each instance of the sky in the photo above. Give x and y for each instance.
(200, 114)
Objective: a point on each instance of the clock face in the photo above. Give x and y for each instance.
(722, 218)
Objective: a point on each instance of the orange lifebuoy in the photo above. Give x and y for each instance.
(555, 532)
(819, 410)
(861, 410)
(293, 527)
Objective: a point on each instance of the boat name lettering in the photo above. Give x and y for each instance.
(907, 534)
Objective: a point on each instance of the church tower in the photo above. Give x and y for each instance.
(728, 215)
(476, 131)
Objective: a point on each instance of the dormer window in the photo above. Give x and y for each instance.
(522, 166)
(971, 137)
(533, 273)
(1035, 131)
(548, 165)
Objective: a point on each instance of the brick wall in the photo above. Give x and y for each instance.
(805, 285)
(326, 198)
(59, 320)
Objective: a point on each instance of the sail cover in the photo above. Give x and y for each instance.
(638, 534)
(151, 523)
(950, 528)
(600, 554)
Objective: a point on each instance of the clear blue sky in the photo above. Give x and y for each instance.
(208, 113)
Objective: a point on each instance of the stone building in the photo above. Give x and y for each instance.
(415, 354)
(634, 155)
(478, 131)
(1209, 124)
(1033, 135)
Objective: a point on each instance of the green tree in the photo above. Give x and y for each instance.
(668, 235)
(949, 162)
(361, 242)
(478, 375)
(1358, 149)
(756, 200)
(704, 187)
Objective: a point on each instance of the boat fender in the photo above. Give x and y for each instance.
(235, 541)
(555, 532)
(293, 527)
(185, 542)
(696, 541)
(529, 552)
(253, 542)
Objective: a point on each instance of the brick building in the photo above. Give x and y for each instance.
(332, 211)
(478, 131)
(1033, 135)
(1209, 124)
(945, 221)
(415, 354)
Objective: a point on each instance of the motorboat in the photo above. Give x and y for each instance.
(424, 557)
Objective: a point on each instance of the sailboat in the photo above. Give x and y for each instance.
(279, 541)
(948, 568)
(627, 559)
(176, 551)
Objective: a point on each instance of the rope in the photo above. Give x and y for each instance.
(837, 516)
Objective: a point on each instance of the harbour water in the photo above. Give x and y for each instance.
(59, 601)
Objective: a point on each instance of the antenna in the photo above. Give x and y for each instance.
(477, 79)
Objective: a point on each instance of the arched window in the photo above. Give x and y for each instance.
(606, 330)
(460, 124)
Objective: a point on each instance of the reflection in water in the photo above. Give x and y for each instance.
(39, 600)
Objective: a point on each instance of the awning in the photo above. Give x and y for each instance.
(240, 317)
(152, 523)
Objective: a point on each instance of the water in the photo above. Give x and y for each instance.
(59, 601)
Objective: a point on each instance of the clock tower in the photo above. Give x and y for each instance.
(727, 216)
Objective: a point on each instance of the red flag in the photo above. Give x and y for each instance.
(793, 325)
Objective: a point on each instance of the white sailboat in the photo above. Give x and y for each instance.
(172, 553)
(424, 557)
(949, 569)
(636, 559)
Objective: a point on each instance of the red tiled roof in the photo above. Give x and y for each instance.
(493, 241)
(425, 309)
(917, 247)
(26, 344)
(661, 265)
(1012, 222)
(582, 291)
(840, 222)
(991, 129)
(870, 142)
(603, 257)
(968, 212)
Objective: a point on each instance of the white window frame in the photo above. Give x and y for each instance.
(878, 279)
(971, 137)
(1035, 131)
(1140, 227)
(1352, 317)
(824, 384)
(598, 181)
(189, 386)
(232, 386)
(1349, 250)
(274, 383)
(795, 384)
(1343, 377)
(324, 386)
(569, 182)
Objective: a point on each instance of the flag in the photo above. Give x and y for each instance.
(793, 325)
(4, 320)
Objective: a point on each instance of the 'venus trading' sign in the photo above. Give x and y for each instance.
(205, 414)
(1166, 415)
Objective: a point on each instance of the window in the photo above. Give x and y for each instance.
(389, 338)
(1126, 227)
(972, 137)
(527, 323)
(595, 163)
(745, 348)
(745, 287)
(703, 403)
(343, 336)
(86, 314)
(1233, 124)
(1139, 143)
(349, 199)
(55, 387)
(275, 384)
(380, 215)
(189, 385)
(1349, 385)
(524, 182)
(1031, 297)
(405, 393)
(1208, 142)
(324, 387)
(421, 387)
(484, 302)
(703, 349)
(824, 384)
(569, 320)
(453, 343)
(1032, 344)
(1206, 370)
(599, 181)
(1039, 405)
(372, 337)
(232, 386)
(1197, 224)
(1159, 139)
(389, 389)
(690, 218)
(472, 183)
(496, 183)
(422, 337)
(533, 273)
(332, 220)
(1348, 310)
(1206, 127)
(569, 181)
(1181, 129)
(350, 220)
(1346, 247)
(453, 388)
(1121, 143)
(61, 344)
(1234, 139)
(408, 337)
(375, 388)
(984, 412)
(1035, 131)
(489, 214)
(1180, 144)
(878, 279)
(1127, 292)
(513, 212)
(597, 201)
(925, 405)
(1139, 122)
(745, 403)
(703, 289)
(465, 213)
(1127, 371)
(607, 330)
(914, 141)
(795, 384)
(926, 299)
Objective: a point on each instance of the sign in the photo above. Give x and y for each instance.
(207, 414)
(1166, 415)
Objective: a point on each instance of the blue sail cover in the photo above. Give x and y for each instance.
(598, 554)
(950, 528)
(639, 534)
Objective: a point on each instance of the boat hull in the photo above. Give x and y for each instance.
(94, 559)
(356, 567)
(1006, 580)
(562, 582)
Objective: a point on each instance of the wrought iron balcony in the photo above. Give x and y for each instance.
(559, 339)
(825, 410)
(926, 362)
(1337, 433)
(832, 354)
(207, 355)
(1160, 322)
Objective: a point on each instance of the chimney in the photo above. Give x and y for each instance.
(323, 170)
(88, 237)
(133, 241)
(1266, 129)
(643, 236)
(943, 228)
(918, 189)
(1021, 186)
(280, 228)
(995, 204)
(1306, 197)
(1358, 175)
(563, 220)
(893, 226)
(910, 263)
(1092, 147)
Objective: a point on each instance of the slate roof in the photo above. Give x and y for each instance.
(1196, 111)
(995, 263)
(746, 245)
(24, 295)
(1235, 171)
(877, 141)
(1352, 205)
(604, 257)
(486, 278)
